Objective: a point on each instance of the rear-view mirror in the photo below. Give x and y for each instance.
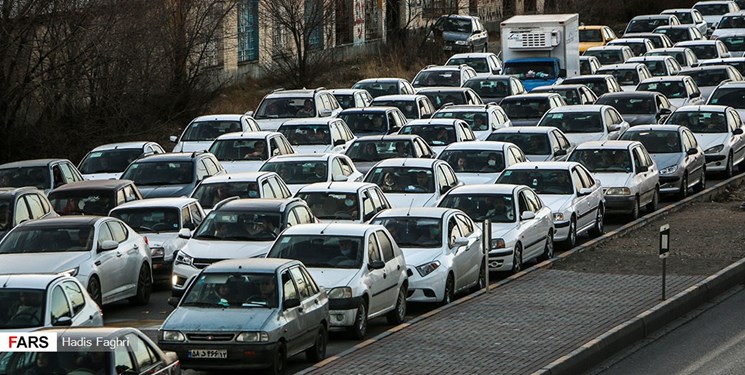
(108, 245)
(584, 191)
(184, 233)
(560, 152)
(339, 142)
(340, 178)
(173, 301)
(642, 169)
(173, 138)
(64, 321)
(460, 241)
(527, 215)
(325, 112)
(696, 94)
(737, 131)
(376, 265)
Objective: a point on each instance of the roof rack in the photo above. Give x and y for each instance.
(430, 66)
(277, 90)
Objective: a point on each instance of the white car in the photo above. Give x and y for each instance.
(281, 105)
(627, 74)
(440, 132)
(301, 170)
(681, 90)
(199, 134)
(413, 106)
(344, 201)
(247, 152)
(360, 266)
(481, 162)
(689, 16)
(107, 162)
(639, 46)
(442, 248)
(366, 151)
(483, 119)
(731, 94)
(317, 135)
(608, 55)
(684, 56)
(522, 227)
(413, 182)
(629, 176)
(714, 10)
(527, 109)
(731, 24)
(352, 98)
(544, 143)
(584, 123)
(103, 253)
(246, 185)
(706, 49)
(34, 301)
(658, 65)
(385, 86)
(484, 63)
(574, 196)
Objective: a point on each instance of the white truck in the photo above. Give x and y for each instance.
(541, 49)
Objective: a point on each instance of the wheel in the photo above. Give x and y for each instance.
(517, 259)
(701, 185)
(398, 314)
(571, 240)
(94, 290)
(280, 360)
(481, 284)
(597, 230)
(652, 206)
(317, 352)
(548, 249)
(449, 294)
(728, 171)
(359, 329)
(144, 286)
(683, 192)
(635, 210)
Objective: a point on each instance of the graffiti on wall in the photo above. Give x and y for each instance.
(359, 22)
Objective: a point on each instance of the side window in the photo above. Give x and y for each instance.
(274, 184)
(617, 118)
(312, 287)
(386, 246)
(691, 138)
(523, 202)
(368, 208)
(533, 201)
(185, 217)
(118, 233)
(122, 360)
(70, 176)
(303, 215)
(577, 180)
(288, 287)
(686, 142)
(201, 170)
(104, 234)
(375, 198)
(266, 190)
(120, 197)
(34, 203)
(142, 354)
(465, 225)
(130, 194)
(196, 216)
(608, 118)
(511, 158)
(346, 168)
(21, 212)
(336, 168)
(75, 295)
(302, 286)
(60, 306)
(453, 232)
(554, 139)
(335, 133)
(563, 141)
(325, 101)
(373, 253)
(292, 218)
(44, 203)
(587, 180)
(212, 168)
(519, 156)
(274, 148)
(638, 159)
(442, 182)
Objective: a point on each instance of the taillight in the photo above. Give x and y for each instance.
(146, 241)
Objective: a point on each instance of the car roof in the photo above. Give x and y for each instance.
(490, 77)
(121, 145)
(649, 58)
(705, 67)
(650, 16)
(706, 108)
(346, 91)
(525, 129)
(11, 191)
(239, 177)
(156, 202)
(630, 94)
(258, 265)
(408, 162)
(30, 163)
(632, 65)
(247, 135)
(64, 221)
(607, 47)
(340, 187)
(94, 185)
(332, 229)
(375, 109)
(536, 95)
(292, 93)
(311, 121)
(671, 49)
(579, 108)
(695, 42)
(169, 156)
(685, 26)
(567, 87)
(434, 121)
(307, 157)
(388, 137)
(257, 204)
(219, 117)
(428, 212)
(665, 78)
(483, 189)
(738, 84)
(629, 40)
(615, 144)
(655, 127)
(381, 80)
(401, 97)
(441, 67)
(471, 55)
(465, 108)
(443, 89)
(592, 27)
(477, 145)
(29, 280)
(544, 165)
(587, 77)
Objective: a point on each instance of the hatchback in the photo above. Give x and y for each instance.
(110, 160)
(96, 197)
(203, 130)
(173, 174)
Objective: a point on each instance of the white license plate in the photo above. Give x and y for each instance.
(208, 353)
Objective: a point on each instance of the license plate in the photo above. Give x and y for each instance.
(448, 48)
(208, 353)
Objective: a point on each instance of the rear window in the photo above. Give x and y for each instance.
(730, 97)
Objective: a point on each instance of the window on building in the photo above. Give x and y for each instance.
(248, 30)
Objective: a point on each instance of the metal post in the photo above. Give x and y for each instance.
(664, 274)
(664, 252)
(486, 242)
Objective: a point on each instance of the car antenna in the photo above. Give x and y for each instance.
(5, 284)
(324, 228)
(408, 213)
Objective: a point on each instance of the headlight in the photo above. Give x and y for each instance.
(714, 150)
(669, 170)
(72, 271)
(341, 292)
(252, 337)
(172, 336)
(426, 269)
(618, 191)
(157, 252)
(461, 42)
(184, 259)
(558, 216)
(497, 243)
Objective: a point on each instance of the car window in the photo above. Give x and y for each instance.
(336, 168)
(304, 216)
(312, 287)
(386, 246)
(122, 360)
(274, 184)
(300, 283)
(638, 159)
(453, 232)
(60, 306)
(201, 170)
(196, 215)
(368, 208)
(292, 218)
(142, 354)
(587, 180)
(70, 176)
(104, 234)
(118, 233)
(266, 190)
(373, 253)
(372, 195)
(130, 194)
(185, 217)
(34, 203)
(346, 167)
(563, 141)
(212, 168)
(442, 182)
(533, 201)
(21, 212)
(75, 295)
(288, 286)
(576, 180)
(465, 225)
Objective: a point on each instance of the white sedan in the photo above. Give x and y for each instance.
(413, 182)
(481, 162)
(300, 170)
(317, 135)
(584, 123)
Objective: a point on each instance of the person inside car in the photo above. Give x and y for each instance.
(307, 110)
(267, 292)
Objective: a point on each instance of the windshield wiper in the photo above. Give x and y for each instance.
(145, 228)
(208, 236)
(255, 303)
(200, 304)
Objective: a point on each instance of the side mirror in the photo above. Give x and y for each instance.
(665, 111)
(445, 189)
(173, 301)
(184, 233)
(173, 139)
(460, 241)
(426, 115)
(584, 191)
(108, 245)
(642, 169)
(560, 152)
(527, 215)
(190, 226)
(290, 303)
(339, 142)
(696, 94)
(249, 113)
(64, 321)
(376, 265)
(562, 73)
(692, 151)
(614, 127)
(340, 178)
(325, 112)
(737, 131)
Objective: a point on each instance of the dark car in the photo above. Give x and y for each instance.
(460, 33)
(93, 197)
(172, 174)
(440, 96)
(44, 174)
(373, 120)
(365, 152)
(639, 107)
(22, 204)
(494, 88)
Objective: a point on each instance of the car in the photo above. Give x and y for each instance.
(731, 24)
(736, 62)
(161, 220)
(481, 162)
(247, 152)
(44, 174)
(103, 253)
(33, 301)
(684, 56)
(413, 107)
(246, 185)
(731, 94)
(680, 33)
(583, 123)
(413, 182)
(281, 105)
(677, 153)
(440, 132)
(719, 131)
(443, 76)
(689, 16)
(658, 65)
(610, 54)
(706, 49)
(365, 152)
(527, 109)
(629, 176)
(494, 88)
(735, 45)
(588, 65)
(171, 174)
(234, 229)
(317, 135)
(344, 201)
(628, 75)
(304, 169)
(572, 94)
(647, 23)
(483, 119)
(599, 83)
(680, 90)
(543, 143)
(270, 308)
(639, 46)
(457, 32)
(18, 205)
(372, 120)
(136, 354)
(708, 77)
(352, 98)
(439, 96)
(107, 162)
(360, 265)
(569, 190)
(200, 132)
(522, 226)
(484, 63)
(594, 36)
(658, 40)
(92, 197)
(443, 251)
(385, 86)
(639, 107)
(714, 10)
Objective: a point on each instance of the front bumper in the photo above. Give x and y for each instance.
(343, 311)
(430, 288)
(716, 163)
(181, 277)
(670, 184)
(561, 230)
(619, 204)
(501, 259)
(240, 356)
(162, 270)
(450, 46)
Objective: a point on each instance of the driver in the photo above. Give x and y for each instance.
(422, 180)
(28, 308)
(267, 292)
(348, 253)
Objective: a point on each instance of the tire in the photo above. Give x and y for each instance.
(449, 294)
(701, 185)
(279, 363)
(683, 193)
(548, 249)
(598, 229)
(517, 259)
(481, 284)
(398, 314)
(359, 329)
(144, 286)
(317, 352)
(94, 290)
(728, 171)
(635, 211)
(652, 206)
(571, 240)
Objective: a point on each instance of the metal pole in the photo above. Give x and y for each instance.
(486, 242)
(664, 274)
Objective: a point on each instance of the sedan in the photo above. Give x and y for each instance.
(599, 83)
(413, 182)
(440, 96)
(543, 143)
(658, 65)
(583, 123)
(527, 110)
(483, 119)
(707, 49)
(300, 170)
(689, 16)
(317, 135)
(494, 88)
(639, 107)
(639, 46)
(680, 90)
(684, 56)
(730, 94)
(572, 94)
(680, 33)
(440, 132)
(608, 55)
(628, 75)
(110, 160)
(484, 63)
(481, 162)
(365, 152)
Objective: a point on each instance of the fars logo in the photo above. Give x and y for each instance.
(28, 342)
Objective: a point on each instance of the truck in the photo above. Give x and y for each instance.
(541, 49)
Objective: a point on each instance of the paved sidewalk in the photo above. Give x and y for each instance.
(518, 328)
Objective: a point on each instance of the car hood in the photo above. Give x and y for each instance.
(505, 231)
(710, 140)
(165, 191)
(638, 119)
(191, 146)
(438, 149)
(666, 160)
(613, 179)
(579, 138)
(189, 318)
(271, 124)
(226, 249)
(713, 18)
(525, 121)
(454, 35)
(102, 176)
(411, 200)
(417, 256)
(557, 202)
(312, 149)
(333, 277)
(42, 262)
(238, 166)
(477, 178)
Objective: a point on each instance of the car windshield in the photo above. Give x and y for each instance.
(378, 88)
(40, 239)
(367, 123)
(429, 78)
(435, 135)
(631, 105)
(306, 135)
(598, 85)
(160, 173)
(476, 120)
(228, 225)
(210, 193)
(345, 100)
(519, 108)
(414, 232)
(6, 215)
(656, 142)
(730, 97)
(708, 77)
(711, 9)
(402, 179)
(657, 68)
(700, 122)
(369, 151)
(86, 359)
(685, 18)
(625, 77)
(332, 206)
(25, 176)
(439, 99)
(109, 161)
(498, 208)
(286, 107)
(705, 51)
(21, 308)
(590, 35)
(474, 161)
(530, 70)
(531, 144)
(82, 202)
(680, 57)
(209, 130)
(233, 290)
(570, 95)
(675, 34)
(646, 25)
(299, 172)
(408, 107)
(489, 88)
(543, 181)
(150, 219)
(603, 160)
(574, 122)
(734, 43)
(454, 25)
(637, 48)
(479, 64)
(320, 251)
(585, 67)
(606, 57)
(732, 22)
(671, 89)
(240, 149)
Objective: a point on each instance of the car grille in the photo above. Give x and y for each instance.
(202, 263)
(210, 337)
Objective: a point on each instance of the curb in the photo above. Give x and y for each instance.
(623, 334)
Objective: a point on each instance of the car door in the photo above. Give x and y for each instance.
(738, 140)
(291, 318)
(583, 207)
(377, 279)
(595, 199)
(309, 304)
(698, 161)
(109, 264)
(78, 304)
(468, 257)
(130, 250)
(316, 312)
(394, 267)
(641, 177)
(145, 357)
(528, 229)
(543, 218)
